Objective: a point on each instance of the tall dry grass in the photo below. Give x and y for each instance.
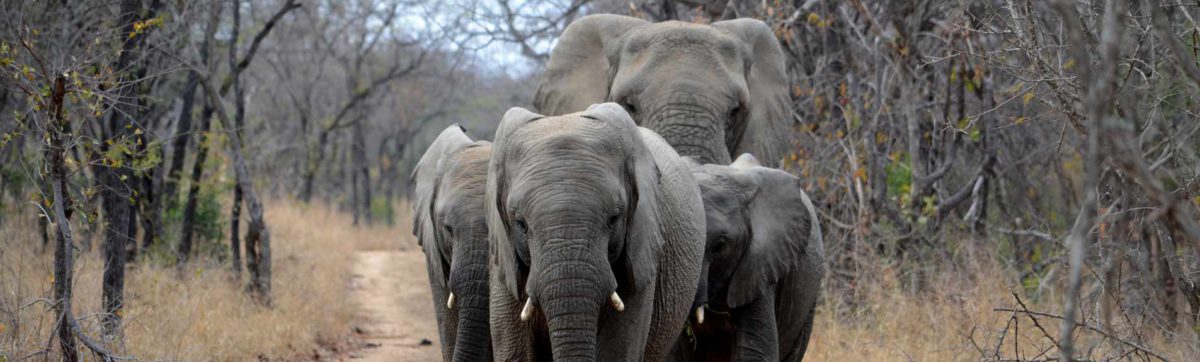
(953, 316)
(200, 314)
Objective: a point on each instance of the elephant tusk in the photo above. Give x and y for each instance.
(700, 315)
(450, 301)
(528, 310)
(616, 302)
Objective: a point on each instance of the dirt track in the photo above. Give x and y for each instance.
(397, 315)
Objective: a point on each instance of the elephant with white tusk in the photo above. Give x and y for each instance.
(597, 232)
(763, 264)
(450, 181)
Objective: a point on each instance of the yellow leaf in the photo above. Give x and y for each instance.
(1020, 120)
(861, 174)
(813, 18)
(1028, 97)
(841, 134)
(1070, 63)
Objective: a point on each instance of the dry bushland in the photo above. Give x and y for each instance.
(198, 313)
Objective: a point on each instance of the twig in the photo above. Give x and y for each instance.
(1088, 327)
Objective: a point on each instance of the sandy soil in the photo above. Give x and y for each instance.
(397, 316)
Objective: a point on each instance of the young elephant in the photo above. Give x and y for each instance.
(762, 264)
(451, 180)
(597, 238)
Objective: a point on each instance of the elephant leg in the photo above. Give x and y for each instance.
(757, 332)
(512, 339)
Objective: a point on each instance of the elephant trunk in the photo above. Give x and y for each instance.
(573, 290)
(692, 131)
(470, 284)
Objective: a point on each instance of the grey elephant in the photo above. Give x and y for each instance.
(597, 233)
(763, 264)
(712, 91)
(451, 181)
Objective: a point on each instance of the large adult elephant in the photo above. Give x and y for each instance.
(712, 91)
(449, 221)
(763, 263)
(597, 233)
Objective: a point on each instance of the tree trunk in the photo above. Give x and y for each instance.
(183, 133)
(363, 170)
(258, 236)
(235, 243)
(188, 224)
(63, 259)
(115, 177)
(314, 166)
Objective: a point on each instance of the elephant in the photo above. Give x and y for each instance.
(763, 264)
(597, 233)
(450, 183)
(711, 90)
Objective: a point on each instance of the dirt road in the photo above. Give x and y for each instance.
(397, 315)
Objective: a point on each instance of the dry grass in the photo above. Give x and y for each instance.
(200, 314)
(955, 320)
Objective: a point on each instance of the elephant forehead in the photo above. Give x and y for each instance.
(560, 136)
(468, 172)
(677, 35)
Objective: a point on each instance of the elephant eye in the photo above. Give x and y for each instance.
(721, 243)
(521, 227)
(612, 220)
(449, 230)
(629, 107)
(734, 112)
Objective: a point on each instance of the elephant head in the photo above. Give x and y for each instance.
(571, 207)
(712, 91)
(759, 227)
(451, 181)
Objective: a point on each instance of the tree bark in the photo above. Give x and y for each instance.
(1099, 85)
(235, 243)
(183, 133)
(188, 224)
(258, 236)
(363, 170)
(63, 259)
(115, 177)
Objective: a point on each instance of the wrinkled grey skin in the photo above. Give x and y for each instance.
(763, 262)
(451, 181)
(712, 91)
(580, 206)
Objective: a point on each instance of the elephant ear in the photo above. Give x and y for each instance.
(780, 229)
(580, 69)
(504, 252)
(770, 104)
(643, 238)
(426, 177)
